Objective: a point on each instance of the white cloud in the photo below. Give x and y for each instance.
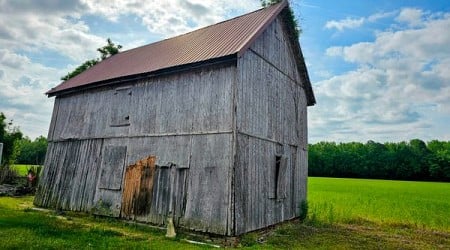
(398, 91)
(352, 23)
(410, 16)
(347, 23)
(380, 15)
(52, 25)
(334, 51)
(22, 92)
(172, 17)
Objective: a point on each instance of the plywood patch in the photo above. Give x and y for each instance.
(138, 188)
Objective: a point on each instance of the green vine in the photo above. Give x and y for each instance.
(287, 15)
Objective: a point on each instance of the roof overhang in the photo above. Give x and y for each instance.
(221, 61)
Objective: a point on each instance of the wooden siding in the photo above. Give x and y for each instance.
(70, 175)
(194, 102)
(208, 159)
(274, 47)
(255, 206)
(270, 121)
(198, 189)
(184, 120)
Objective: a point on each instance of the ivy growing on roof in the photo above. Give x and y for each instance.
(288, 17)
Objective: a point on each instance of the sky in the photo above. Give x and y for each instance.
(380, 70)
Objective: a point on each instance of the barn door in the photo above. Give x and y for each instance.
(151, 193)
(107, 197)
(138, 188)
(169, 195)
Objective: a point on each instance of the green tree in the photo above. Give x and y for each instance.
(32, 152)
(109, 49)
(266, 3)
(439, 160)
(9, 135)
(86, 65)
(105, 52)
(413, 160)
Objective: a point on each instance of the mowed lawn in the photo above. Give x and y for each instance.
(343, 214)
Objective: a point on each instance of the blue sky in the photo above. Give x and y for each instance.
(379, 69)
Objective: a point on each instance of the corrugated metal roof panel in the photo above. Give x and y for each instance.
(222, 39)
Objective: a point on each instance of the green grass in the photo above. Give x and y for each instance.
(23, 228)
(344, 214)
(22, 169)
(408, 203)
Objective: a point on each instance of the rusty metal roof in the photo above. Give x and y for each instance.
(231, 37)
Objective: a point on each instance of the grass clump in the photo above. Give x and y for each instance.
(303, 210)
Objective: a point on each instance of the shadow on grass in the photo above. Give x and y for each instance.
(363, 235)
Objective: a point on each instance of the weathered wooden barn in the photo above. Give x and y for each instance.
(209, 128)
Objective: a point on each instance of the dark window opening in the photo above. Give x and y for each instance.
(277, 175)
(278, 178)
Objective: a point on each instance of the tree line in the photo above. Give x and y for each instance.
(413, 160)
(19, 149)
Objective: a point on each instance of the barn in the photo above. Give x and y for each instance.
(208, 128)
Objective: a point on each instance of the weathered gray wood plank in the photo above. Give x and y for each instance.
(199, 101)
(271, 120)
(70, 174)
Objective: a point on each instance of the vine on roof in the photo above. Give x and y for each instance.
(288, 17)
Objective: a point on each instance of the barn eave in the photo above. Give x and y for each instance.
(221, 61)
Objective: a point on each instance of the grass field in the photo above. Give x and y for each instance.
(344, 213)
(408, 203)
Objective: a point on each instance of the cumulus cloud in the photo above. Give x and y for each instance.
(352, 23)
(22, 92)
(410, 16)
(347, 23)
(171, 17)
(53, 25)
(400, 86)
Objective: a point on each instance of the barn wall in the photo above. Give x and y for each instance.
(197, 102)
(207, 160)
(271, 121)
(184, 120)
(70, 175)
(78, 176)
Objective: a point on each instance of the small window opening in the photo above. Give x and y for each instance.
(277, 174)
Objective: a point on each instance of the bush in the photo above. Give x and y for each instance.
(8, 175)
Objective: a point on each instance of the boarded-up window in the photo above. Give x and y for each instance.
(120, 109)
(278, 180)
(113, 162)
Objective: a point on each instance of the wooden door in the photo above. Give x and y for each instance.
(138, 188)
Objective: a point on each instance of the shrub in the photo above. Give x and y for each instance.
(8, 175)
(303, 210)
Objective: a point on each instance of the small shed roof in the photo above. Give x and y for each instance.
(227, 39)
